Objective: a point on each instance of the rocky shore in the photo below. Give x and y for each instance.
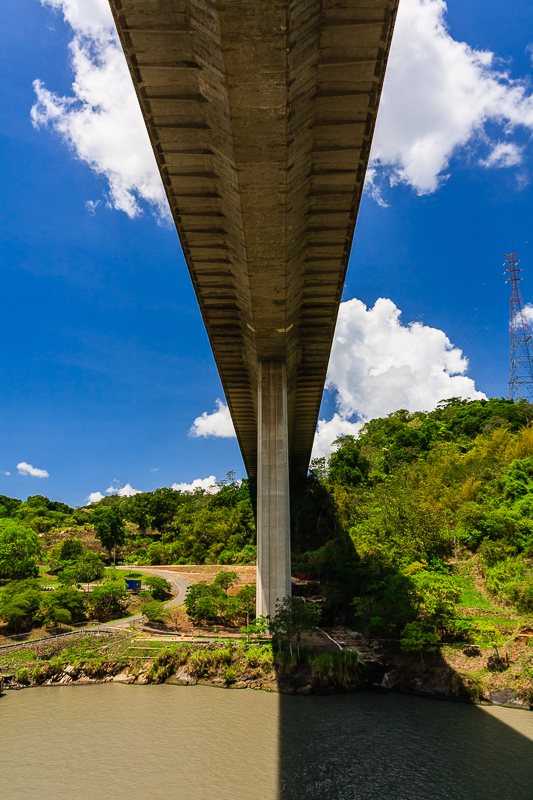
(125, 658)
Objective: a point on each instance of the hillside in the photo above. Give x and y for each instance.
(419, 518)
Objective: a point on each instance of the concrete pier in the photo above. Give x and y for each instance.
(261, 115)
(273, 519)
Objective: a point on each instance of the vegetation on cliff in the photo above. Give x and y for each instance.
(421, 517)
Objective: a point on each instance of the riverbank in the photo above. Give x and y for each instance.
(123, 657)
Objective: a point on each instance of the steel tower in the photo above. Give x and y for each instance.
(521, 358)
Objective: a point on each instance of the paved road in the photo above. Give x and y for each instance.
(179, 587)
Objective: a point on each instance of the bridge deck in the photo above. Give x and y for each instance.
(261, 114)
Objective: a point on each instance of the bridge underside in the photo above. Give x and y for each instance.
(261, 114)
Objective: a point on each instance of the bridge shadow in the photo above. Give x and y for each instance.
(397, 747)
(367, 746)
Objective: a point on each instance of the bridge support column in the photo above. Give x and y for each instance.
(273, 521)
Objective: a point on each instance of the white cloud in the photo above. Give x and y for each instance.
(208, 484)
(438, 96)
(94, 497)
(379, 365)
(91, 206)
(124, 491)
(6, 473)
(503, 154)
(328, 430)
(528, 313)
(216, 424)
(101, 121)
(27, 469)
(121, 491)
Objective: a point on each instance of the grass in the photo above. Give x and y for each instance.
(471, 597)
(45, 579)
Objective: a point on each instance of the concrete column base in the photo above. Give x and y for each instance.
(273, 520)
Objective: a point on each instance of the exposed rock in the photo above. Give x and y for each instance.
(390, 679)
(183, 678)
(124, 677)
(507, 697)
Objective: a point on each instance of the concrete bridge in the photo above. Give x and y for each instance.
(261, 115)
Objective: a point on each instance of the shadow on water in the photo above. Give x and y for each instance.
(395, 747)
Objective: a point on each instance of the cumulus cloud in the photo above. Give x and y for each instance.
(439, 94)
(6, 473)
(94, 497)
(27, 469)
(101, 121)
(328, 430)
(123, 491)
(216, 424)
(208, 484)
(379, 365)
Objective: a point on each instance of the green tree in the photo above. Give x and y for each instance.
(488, 635)
(109, 526)
(19, 548)
(226, 579)
(86, 569)
(62, 606)
(246, 600)
(416, 637)
(19, 604)
(160, 589)
(348, 465)
(209, 603)
(108, 601)
(294, 617)
(257, 627)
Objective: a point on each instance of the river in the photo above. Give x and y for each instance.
(109, 742)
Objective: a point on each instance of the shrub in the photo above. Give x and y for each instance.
(23, 676)
(338, 668)
(156, 612)
(229, 676)
(37, 676)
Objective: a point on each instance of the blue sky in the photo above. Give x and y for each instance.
(105, 362)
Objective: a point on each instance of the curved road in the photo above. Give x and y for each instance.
(179, 586)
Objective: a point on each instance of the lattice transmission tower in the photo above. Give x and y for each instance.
(521, 356)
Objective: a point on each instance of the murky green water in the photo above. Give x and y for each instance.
(198, 743)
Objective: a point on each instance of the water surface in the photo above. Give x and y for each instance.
(200, 743)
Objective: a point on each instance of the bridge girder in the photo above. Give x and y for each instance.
(261, 115)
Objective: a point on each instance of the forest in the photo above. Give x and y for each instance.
(419, 517)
